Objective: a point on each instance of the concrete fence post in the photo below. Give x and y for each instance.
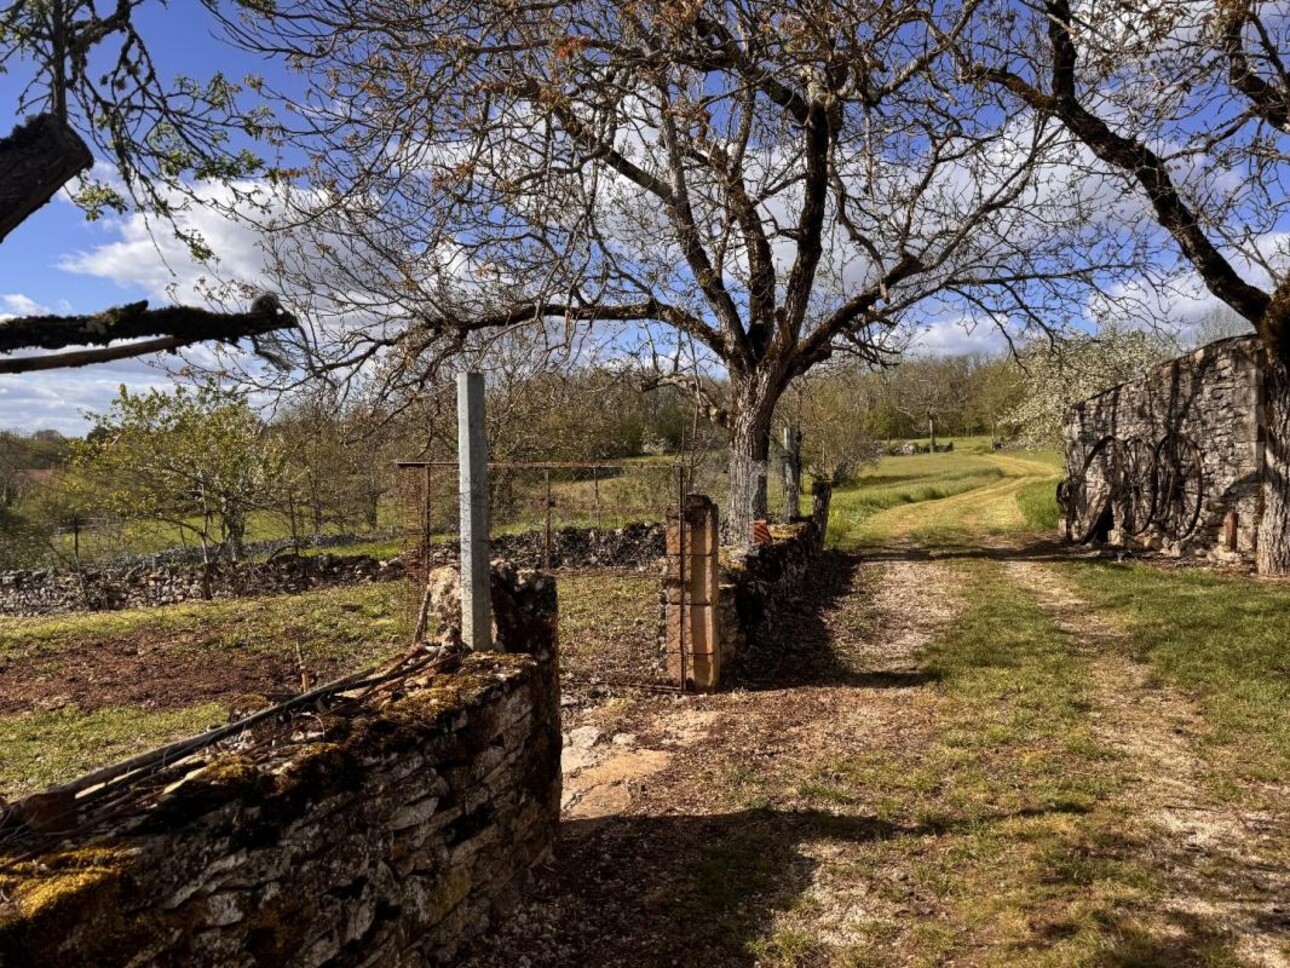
(472, 463)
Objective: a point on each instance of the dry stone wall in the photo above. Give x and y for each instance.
(51, 591)
(389, 833)
(756, 584)
(1213, 397)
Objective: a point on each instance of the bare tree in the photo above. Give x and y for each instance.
(741, 189)
(1190, 104)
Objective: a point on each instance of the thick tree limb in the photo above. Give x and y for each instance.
(1270, 101)
(162, 329)
(36, 160)
(1136, 159)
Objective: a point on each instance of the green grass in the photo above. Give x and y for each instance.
(46, 748)
(347, 628)
(1038, 503)
(1010, 812)
(339, 629)
(902, 480)
(870, 511)
(1225, 639)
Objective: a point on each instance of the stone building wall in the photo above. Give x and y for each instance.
(389, 831)
(1214, 397)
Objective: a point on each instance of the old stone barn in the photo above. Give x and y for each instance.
(1176, 461)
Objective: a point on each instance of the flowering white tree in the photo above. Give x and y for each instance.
(1056, 377)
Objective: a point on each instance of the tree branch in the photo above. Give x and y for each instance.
(1135, 159)
(175, 325)
(36, 160)
(1270, 102)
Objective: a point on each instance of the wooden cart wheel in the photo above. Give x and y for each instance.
(1180, 485)
(1137, 498)
(1090, 495)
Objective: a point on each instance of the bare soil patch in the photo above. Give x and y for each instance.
(140, 671)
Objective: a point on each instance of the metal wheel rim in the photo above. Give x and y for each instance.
(1180, 488)
(1080, 497)
(1138, 480)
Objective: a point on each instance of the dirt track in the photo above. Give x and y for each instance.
(872, 797)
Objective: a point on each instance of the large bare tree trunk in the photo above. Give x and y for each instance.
(36, 160)
(749, 450)
(1274, 525)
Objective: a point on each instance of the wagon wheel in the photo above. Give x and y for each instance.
(1090, 495)
(1137, 486)
(1179, 485)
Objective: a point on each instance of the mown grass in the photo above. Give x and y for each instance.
(927, 497)
(1012, 821)
(1225, 639)
(900, 480)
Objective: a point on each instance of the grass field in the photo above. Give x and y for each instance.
(977, 749)
(80, 691)
(905, 497)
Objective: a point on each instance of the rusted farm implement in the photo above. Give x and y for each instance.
(1134, 485)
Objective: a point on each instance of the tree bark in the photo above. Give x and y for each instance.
(749, 449)
(179, 325)
(37, 159)
(1273, 554)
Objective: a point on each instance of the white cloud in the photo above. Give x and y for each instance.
(956, 337)
(152, 258)
(16, 304)
(55, 399)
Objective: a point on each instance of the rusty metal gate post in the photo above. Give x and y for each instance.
(691, 636)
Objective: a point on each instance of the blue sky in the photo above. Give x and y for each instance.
(56, 261)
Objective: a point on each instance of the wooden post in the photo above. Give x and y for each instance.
(595, 485)
(692, 642)
(546, 538)
(792, 472)
(472, 463)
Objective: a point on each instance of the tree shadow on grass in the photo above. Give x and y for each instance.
(1044, 549)
(685, 890)
(801, 646)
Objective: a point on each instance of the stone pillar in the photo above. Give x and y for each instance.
(472, 463)
(691, 637)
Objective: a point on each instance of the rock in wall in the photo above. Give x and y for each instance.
(145, 584)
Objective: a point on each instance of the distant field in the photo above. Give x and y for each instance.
(81, 691)
(1016, 492)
